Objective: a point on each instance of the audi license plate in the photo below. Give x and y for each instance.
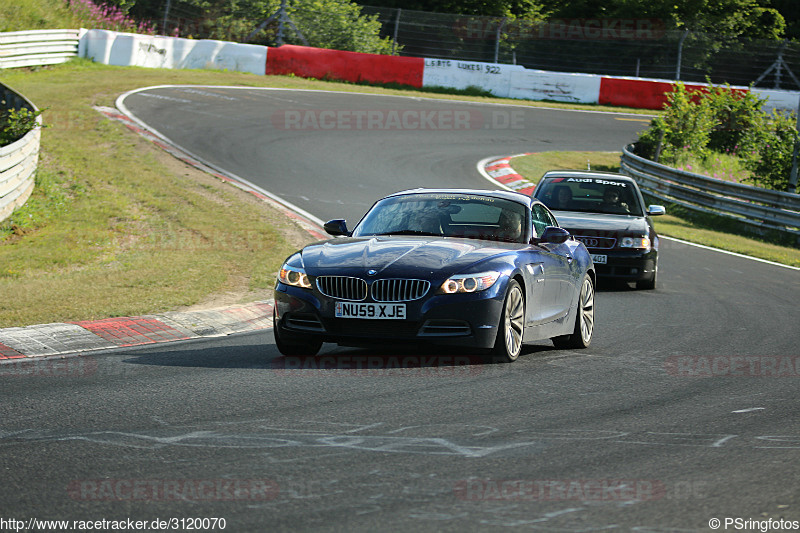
(600, 259)
(371, 311)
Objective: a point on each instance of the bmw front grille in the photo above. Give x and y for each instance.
(382, 290)
(399, 290)
(342, 287)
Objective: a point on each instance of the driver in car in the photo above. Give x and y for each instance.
(611, 202)
(510, 226)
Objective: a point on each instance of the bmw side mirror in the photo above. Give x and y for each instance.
(336, 227)
(656, 210)
(554, 235)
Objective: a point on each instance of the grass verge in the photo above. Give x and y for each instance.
(679, 222)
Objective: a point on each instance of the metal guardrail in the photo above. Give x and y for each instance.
(760, 209)
(37, 47)
(18, 160)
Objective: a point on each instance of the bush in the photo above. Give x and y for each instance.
(684, 127)
(334, 24)
(734, 114)
(772, 142)
(14, 124)
(108, 17)
(723, 121)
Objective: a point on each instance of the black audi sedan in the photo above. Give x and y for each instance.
(489, 270)
(607, 213)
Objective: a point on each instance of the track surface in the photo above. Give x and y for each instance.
(438, 448)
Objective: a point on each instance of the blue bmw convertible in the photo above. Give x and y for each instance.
(485, 270)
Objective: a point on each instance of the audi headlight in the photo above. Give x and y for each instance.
(294, 276)
(469, 282)
(635, 242)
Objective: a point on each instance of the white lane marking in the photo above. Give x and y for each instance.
(750, 410)
(773, 263)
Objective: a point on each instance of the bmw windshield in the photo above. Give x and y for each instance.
(447, 215)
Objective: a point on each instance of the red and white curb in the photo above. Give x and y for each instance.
(122, 332)
(499, 171)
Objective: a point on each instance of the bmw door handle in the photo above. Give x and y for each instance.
(569, 258)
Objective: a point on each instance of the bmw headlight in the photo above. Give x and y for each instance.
(469, 282)
(642, 242)
(293, 275)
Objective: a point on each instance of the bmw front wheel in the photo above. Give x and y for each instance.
(508, 344)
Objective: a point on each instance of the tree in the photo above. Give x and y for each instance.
(337, 24)
(748, 19)
(490, 8)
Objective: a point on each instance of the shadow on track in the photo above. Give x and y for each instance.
(332, 357)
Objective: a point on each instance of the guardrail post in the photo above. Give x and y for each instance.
(497, 40)
(680, 55)
(396, 30)
(793, 176)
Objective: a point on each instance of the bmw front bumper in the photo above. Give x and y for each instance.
(467, 319)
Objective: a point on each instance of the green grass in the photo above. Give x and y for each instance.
(534, 165)
(18, 15)
(679, 222)
(720, 166)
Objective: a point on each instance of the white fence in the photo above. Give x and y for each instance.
(38, 47)
(17, 160)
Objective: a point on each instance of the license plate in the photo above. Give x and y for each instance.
(371, 311)
(600, 259)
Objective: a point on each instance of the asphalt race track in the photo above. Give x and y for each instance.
(683, 410)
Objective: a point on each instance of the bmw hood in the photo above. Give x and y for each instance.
(398, 256)
(600, 224)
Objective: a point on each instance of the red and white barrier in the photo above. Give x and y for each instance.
(354, 67)
(456, 74)
(555, 86)
(506, 81)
